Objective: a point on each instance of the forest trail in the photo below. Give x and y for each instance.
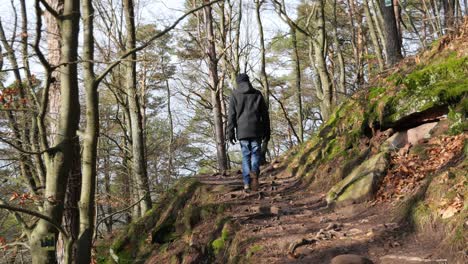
(285, 223)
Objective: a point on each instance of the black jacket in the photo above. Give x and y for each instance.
(248, 113)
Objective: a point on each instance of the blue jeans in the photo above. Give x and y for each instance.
(251, 152)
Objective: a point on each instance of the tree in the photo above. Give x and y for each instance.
(212, 60)
(134, 104)
(392, 36)
(59, 160)
(263, 74)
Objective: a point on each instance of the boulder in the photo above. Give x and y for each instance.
(350, 259)
(420, 132)
(361, 184)
(397, 140)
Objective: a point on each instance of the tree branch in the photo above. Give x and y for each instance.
(15, 244)
(286, 116)
(117, 212)
(23, 150)
(49, 9)
(17, 216)
(15, 209)
(153, 38)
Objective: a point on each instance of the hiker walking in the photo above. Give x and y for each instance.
(248, 119)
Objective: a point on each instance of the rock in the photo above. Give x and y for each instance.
(334, 226)
(394, 259)
(324, 219)
(398, 140)
(361, 183)
(354, 231)
(260, 209)
(275, 210)
(420, 132)
(350, 259)
(449, 211)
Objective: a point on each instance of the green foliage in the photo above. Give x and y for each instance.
(375, 92)
(442, 82)
(421, 215)
(219, 244)
(159, 222)
(458, 123)
(253, 249)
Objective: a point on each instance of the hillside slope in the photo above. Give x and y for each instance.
(385, 178)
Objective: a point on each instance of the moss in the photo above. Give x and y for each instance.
(420, 151)
(125, 257)
(333, 149)
(375, 92)
(219, 244)
(253, 249)
(174, 259)
(421, 215)
(442, 82)
(159, 222)
(459, 236)
(457, 123)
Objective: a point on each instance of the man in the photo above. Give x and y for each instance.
(248, 117)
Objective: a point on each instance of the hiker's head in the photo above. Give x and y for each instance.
(243, 77)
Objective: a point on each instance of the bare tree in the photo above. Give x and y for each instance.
(136, 125)
(212, 59)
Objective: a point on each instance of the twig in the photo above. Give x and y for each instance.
(301, 242)
(15, 244)
(36, 214)
(25, 151)
(117, 212)
(52, 11)
(153, 38)
(17, 216)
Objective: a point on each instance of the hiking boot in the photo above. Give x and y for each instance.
(254, 181)
(246, 188)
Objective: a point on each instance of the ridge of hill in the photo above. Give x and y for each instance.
(384, 179)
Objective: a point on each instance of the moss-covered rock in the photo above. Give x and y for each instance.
(157, 226)
(431, 87)
(361, 183)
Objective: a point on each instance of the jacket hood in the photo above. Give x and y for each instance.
(243, 84)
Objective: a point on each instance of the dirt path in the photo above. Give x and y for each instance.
(283, 223)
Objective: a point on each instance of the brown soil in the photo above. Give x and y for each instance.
(307, 231)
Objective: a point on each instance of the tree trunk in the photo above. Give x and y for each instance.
(393, 47)
(37, 161)
(71, 214)
(449, 13)
(297, 72)
(465, 3)
(54, 39)
(170, 150)
(59, 165)
(341, 86)
(90, 138)
(215, 91)
(264, 76)
(320, 64)
(138, 144)
(428, 16)
(373, 34)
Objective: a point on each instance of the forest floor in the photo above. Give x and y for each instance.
(286, 223)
